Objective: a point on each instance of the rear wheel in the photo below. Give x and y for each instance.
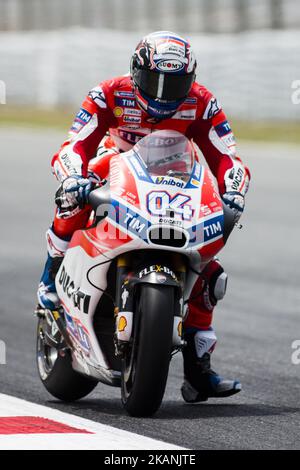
(146, 363)
(55, 369)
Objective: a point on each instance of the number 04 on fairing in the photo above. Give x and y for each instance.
(126, 278)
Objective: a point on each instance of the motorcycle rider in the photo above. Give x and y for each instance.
(159, 93)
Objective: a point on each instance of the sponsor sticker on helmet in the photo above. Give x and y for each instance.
(172, 65)
(171, 45)
(176, 49)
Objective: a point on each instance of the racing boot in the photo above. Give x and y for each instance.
(56, 247)
(200, 381)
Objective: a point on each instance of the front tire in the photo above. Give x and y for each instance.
(56, 372)
(146, 364)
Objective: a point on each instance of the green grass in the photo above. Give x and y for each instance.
(23, 116)
(62, 118)
(288, 132)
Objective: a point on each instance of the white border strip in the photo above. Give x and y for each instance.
(104, 437)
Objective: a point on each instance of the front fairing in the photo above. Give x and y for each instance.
(143, 201)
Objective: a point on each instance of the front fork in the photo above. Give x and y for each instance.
(126, 291)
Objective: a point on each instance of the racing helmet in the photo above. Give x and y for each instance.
(163, 71)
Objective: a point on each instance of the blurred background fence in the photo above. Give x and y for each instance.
(213, 16)
(248, 51)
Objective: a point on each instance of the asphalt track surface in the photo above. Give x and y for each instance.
(256, 323)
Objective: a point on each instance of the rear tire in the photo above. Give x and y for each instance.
(56, 372)
(146, 365)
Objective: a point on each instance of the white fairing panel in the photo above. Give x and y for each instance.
(80, 298)
(80, 283)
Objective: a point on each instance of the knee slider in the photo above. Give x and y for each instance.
(219, 286)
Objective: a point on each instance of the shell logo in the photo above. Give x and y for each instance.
(118, 112)
(122, 323)
(179, 329)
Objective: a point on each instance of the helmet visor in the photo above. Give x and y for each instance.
(163, 86)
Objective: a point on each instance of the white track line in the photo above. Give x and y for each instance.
(103, 437)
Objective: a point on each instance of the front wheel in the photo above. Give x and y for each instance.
(145, 366)
(55, 370)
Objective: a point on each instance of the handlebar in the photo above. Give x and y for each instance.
(98, 197)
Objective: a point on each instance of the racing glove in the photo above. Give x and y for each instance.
(236, 181)
(236, 202)
(73, 193)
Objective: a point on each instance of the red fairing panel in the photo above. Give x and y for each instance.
(122, 182)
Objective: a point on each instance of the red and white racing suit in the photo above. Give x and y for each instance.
(111, 108)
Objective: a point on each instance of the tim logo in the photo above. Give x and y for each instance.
(2, 92)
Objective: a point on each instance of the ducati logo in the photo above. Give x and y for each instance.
(79, 298)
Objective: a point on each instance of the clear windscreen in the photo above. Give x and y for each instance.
(166, 153)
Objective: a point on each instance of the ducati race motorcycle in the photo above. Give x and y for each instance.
(126, 278)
